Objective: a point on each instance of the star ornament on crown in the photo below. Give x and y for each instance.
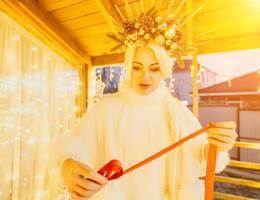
(164, 31)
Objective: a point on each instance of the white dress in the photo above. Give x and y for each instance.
(130, 127)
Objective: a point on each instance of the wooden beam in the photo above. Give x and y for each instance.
(81, 98)
(109, 12)
(238, 181)
(32, 17)
(216, 46)
(107, 59)
(243, 42)
(243, 164)
(190, 42)
(225, 196)
(248, 145)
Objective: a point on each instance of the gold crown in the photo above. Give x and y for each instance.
(165, 31)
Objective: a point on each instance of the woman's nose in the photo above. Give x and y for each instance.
(145, 74)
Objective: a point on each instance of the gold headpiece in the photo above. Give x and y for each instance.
(165, 31)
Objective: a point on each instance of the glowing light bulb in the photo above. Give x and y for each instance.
(16, 37)
(10, 57)
(38, 195)
(34, 49)
(34, 66)
(27, 130)
(31, 141)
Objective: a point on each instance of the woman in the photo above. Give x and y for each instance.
(138, 121)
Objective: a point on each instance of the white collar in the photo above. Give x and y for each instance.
(132, 97)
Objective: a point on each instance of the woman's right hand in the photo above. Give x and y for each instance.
(81, 181)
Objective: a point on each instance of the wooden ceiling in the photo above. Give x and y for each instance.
(227, 24)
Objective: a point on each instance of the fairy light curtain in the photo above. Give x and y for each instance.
(37, 101)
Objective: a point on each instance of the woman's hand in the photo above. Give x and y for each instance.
(81, 181)
(223, 135)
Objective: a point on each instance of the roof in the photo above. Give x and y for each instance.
(77, 29)
(246, 84)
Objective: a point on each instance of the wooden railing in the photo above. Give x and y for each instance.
(240, 181)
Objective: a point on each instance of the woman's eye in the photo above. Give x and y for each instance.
(154, 69)
(136, 67)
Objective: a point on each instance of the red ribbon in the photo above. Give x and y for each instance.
(114, 170)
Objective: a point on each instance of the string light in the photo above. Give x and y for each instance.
(202, 69)
(31, 141)
(37, 95)
(10, 57)
(111, 75)
(34, 49)
(16, 37)
(34, 66)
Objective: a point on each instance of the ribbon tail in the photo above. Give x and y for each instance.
(209, 180)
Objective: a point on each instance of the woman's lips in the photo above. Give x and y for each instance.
(144, 86)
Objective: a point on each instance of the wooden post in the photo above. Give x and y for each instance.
(195, 85)
(194, 68)
(81, 99)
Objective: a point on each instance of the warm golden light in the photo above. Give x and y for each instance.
(37, 96)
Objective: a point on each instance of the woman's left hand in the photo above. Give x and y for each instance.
(223, 135)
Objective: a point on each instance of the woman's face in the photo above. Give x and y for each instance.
(146, 72)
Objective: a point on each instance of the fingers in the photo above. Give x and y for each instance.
(83, 170)
(80, 193)
(226, 124)
(82, 181)
(222, 132)
(84, 188)
(88, 173)
(222, 138)
(76, 196)
(97, 178)
(219, 144)
(222, 135)
(87, 184)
